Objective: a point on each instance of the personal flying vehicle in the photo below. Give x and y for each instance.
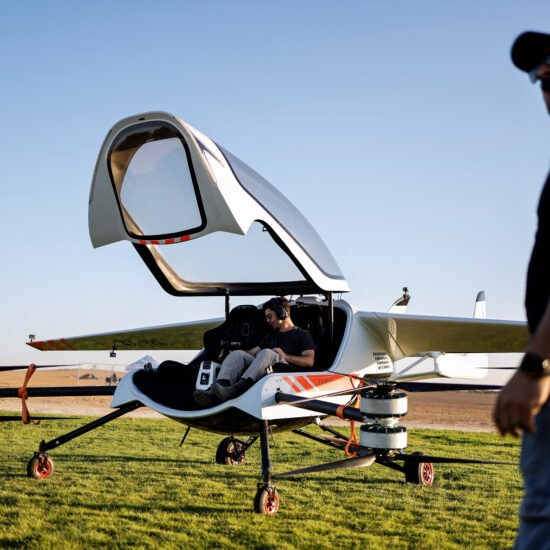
(206, 224)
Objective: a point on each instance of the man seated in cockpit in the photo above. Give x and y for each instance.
(285, 343)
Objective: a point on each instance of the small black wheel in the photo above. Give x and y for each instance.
(266, 501)
(40, 467)
(229, 452)
(421, 473)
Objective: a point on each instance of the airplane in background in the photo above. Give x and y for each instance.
(206, 224)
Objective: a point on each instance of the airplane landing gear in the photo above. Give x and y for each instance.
(266, 500)
(40, 466)
(232, 451)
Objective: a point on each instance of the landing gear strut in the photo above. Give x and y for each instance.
(267, 497)
(41, 465)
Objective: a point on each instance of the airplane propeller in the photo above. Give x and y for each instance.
(23, 367)
(370, 458)
(445, 460)
(36, 418)
(354, 462)
(406, 386)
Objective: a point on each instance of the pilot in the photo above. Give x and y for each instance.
(285, 343)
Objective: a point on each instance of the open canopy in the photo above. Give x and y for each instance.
(159, 181)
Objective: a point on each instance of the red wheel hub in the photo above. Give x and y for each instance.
(427, 473)
(271, 504)
(43, 468)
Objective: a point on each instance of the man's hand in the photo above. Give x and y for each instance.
(281, 353)
(519, 402)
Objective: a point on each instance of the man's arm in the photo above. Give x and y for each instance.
(523, 396)
(306, 359)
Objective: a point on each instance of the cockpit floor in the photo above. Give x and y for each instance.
(171, 388)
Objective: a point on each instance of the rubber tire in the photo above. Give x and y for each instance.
(38, 470)
(421, 473)
(225, 453)
(266, 501)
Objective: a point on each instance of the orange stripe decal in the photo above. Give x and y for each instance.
(289, 381)
(305, 382)
(65, 343)
(55, 346)
(321, 379)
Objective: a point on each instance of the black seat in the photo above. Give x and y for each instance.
(243, 329)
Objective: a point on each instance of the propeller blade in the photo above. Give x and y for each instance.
(23, 367)
(445, 460)
(435, 386)
(355, 462)
(351, 391)
(60, 391)
(34, 418)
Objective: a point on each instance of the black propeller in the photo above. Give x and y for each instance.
(23, 367)
(354, 462)
(445, 460)
(37, 418)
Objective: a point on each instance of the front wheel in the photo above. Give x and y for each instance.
(266, 501)
(40, 467)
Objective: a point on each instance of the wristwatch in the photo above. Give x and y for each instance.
(534, 365)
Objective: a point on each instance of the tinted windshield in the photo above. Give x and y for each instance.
(286, 214)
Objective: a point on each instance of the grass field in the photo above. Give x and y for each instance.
(129, 485)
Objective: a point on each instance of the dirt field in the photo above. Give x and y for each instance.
(470, 411)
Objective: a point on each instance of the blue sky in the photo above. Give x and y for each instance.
(400, 129)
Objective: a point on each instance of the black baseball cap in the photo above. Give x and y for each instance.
(529, 48)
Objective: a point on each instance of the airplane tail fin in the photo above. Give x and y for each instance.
(480, 309)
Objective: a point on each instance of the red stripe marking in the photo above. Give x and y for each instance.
(184, 238)
(54, 345)
(322, 379)
(65, 343)
(155, 242)
(142, 242)
(39, 345)
(305, 382)
(169, 241)
(289, 381)
(45, 346)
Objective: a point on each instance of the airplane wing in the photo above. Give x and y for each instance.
(406, 335)
(179, 336)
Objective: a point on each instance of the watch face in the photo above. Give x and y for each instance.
(534, 365)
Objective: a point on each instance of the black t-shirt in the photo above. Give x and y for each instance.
(292, 342)
(537, 293)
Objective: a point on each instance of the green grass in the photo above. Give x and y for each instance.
(129, 485)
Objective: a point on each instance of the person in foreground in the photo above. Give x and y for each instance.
(523, 403)
(285, 343)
